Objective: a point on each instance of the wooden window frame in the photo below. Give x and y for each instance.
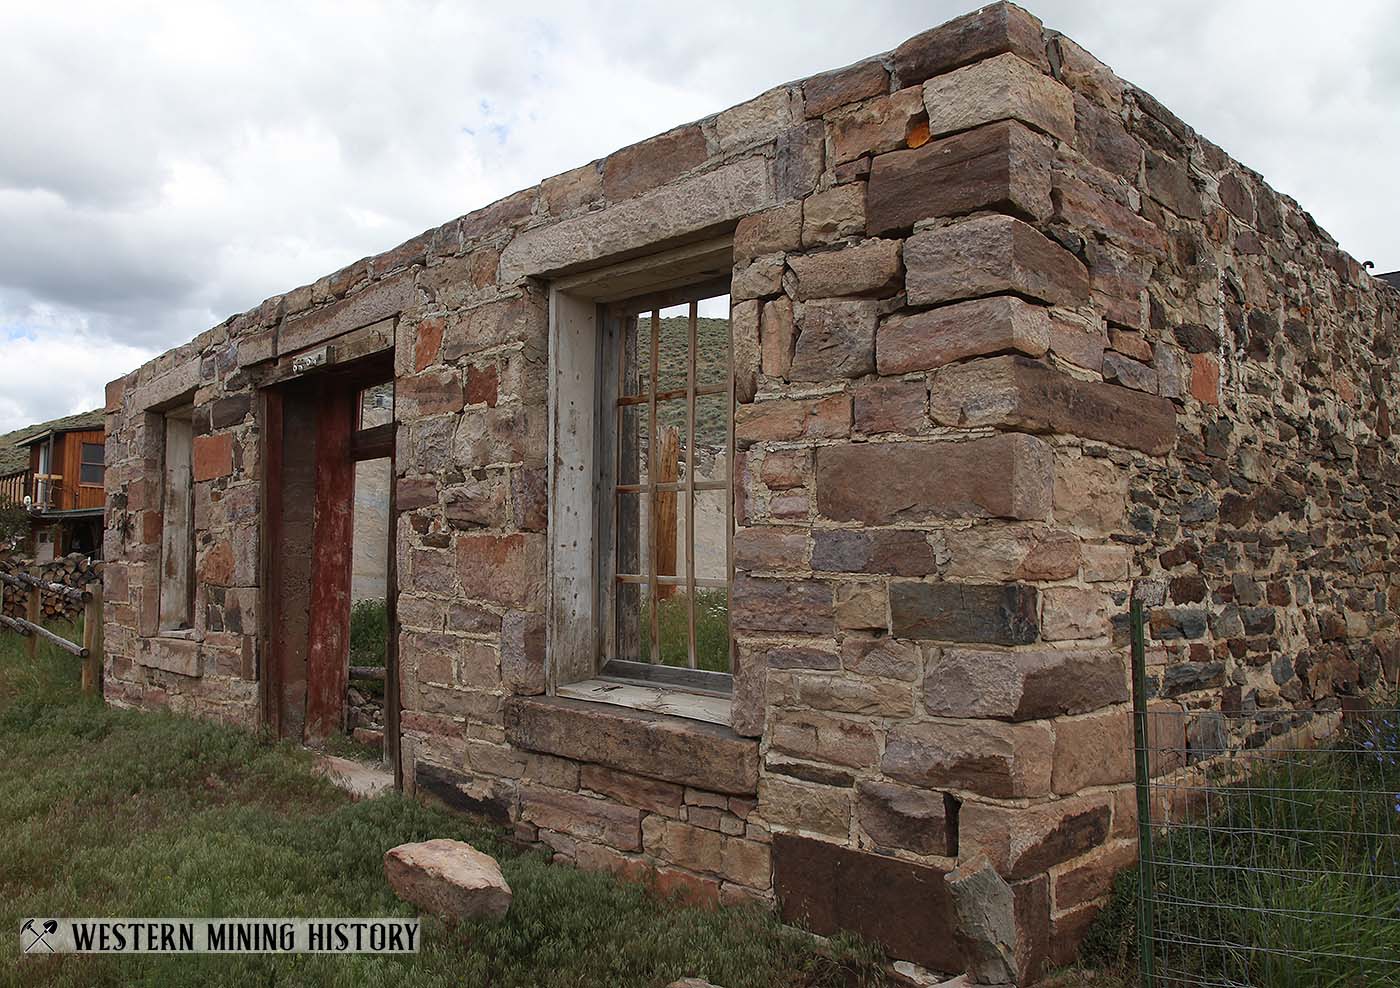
(584, 323)
(615, 319)
(177, 590)
(101, 464)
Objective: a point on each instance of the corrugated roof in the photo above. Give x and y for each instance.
(15, 457)
(1391, 278)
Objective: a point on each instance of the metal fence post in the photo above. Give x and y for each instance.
(1146, 869)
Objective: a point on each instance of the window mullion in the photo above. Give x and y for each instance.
(652, 449)
(690, 487)
(729, 480)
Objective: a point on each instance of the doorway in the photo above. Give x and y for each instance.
(331, 676)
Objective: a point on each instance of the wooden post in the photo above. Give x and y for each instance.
(668, 471)
(35, 615)
(92, 641)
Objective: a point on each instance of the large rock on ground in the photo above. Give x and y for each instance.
(448, 878)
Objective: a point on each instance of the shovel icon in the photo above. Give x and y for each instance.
(40, 937)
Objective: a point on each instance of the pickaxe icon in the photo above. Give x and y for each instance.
(50, 925)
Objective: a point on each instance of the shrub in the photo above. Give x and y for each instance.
(369, 633)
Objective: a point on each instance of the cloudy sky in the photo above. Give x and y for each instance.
(164, 165)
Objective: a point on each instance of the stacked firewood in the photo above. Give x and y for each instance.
(73, 570)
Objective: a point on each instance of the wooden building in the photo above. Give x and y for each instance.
(57, 470)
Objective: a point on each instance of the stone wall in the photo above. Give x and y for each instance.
(1010, 341)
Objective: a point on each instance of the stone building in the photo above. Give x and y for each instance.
(1010, 342)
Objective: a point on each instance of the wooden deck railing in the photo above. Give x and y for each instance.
(90, 651)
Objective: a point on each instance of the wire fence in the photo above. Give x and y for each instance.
(1269, 846)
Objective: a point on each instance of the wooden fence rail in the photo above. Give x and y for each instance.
(29, 626)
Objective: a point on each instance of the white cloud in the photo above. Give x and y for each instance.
(166, 165)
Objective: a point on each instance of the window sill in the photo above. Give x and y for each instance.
(706, 707)
(673, 749)
(178, 634)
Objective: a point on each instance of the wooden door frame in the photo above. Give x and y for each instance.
(346, 380)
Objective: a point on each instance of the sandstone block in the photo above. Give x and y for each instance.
(171, 655)
(743, 331)
(932, 338)
(1170, 183)
(448, 878)
(1071, 613)
(861, 606)
(684, 752)
(1129, 373)
(477, 503)
(785, 469)
(871, 267)
(989, 255)
(964, 612)
(1022, 842)
(770, 548)
(883, 657)
(505, 569)
(777, 337)
(815, 809)
(1091, 496)
(213, 455)
(1093, 877)
(882, 124)
(1085, 208)
(787, 419)
(836, 339)
(903, 817)
(1077, 339)
(582, 816)
(374, 303)
(824, 737)
(761, 277)
(523, 652)
(985, 911)
(1022, 685)
(892, 405)
(1004, 87)
(1101, 137)
(800, 154)
(833, 215)
(829, 90)
(683, 207)
(982, 34)
(633, 790)
(1017, 392)
(573, 189)
(759, 119)
(986, 757)
(893, 552)
(491, 436)
(1011, 552)
(653, 162)
(1005, 476)
(1093, 750)
(772, 231)
(1003, 166)
(760, 604)
(1106, 563)
(510, 320)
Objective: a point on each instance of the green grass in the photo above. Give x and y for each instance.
(106, 812)
(1297, 868)
(711, 630)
